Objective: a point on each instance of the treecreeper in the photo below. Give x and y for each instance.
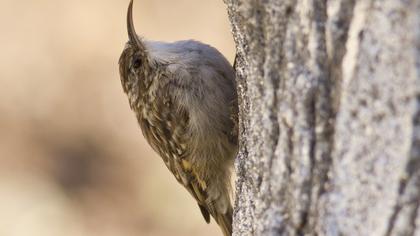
(185, 100)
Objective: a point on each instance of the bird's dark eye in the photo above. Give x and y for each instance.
(136, 63)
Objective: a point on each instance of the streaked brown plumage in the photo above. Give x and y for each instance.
(184, 97)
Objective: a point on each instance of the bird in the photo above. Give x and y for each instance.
(184, 96)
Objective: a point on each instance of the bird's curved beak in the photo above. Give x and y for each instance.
(134, 40)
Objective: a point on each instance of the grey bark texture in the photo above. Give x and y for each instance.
(329, 117)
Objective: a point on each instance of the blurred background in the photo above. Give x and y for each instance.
(73, 160)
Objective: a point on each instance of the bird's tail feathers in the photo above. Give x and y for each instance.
(224, 220)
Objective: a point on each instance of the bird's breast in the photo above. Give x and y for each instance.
(164, 127)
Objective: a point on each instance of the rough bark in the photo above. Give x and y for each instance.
(329, 117)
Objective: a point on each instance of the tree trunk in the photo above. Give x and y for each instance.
(329, 117)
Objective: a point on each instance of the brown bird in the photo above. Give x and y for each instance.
(184, 96)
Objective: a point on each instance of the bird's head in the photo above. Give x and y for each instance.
(135, 62)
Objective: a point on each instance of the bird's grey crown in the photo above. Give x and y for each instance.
(188, 53)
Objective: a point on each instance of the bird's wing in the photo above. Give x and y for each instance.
(186, 174)
(166, 127)
(167, 133)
